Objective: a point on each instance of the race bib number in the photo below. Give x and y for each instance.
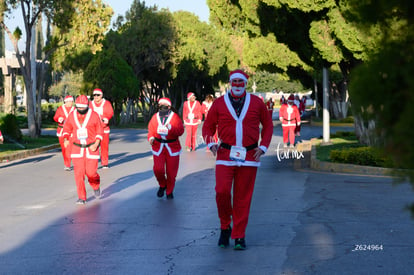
(82, 133)
(238, 153)
(162, 130)
(190, 116)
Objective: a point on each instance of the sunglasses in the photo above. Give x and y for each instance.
(96, 95)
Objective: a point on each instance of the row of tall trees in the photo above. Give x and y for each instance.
(170, 54)
(296, 39)
(74, 30)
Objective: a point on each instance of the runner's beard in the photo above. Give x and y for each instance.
(83, 111)
(238, 91)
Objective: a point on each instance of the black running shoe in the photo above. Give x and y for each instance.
(170, 196)
(80, 201)
(239, 244)
(224, 240)
(97, 193)
(161, 191)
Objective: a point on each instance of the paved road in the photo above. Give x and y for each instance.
(301, 222)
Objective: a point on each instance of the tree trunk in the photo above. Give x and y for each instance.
(339, 100)
(365, 131)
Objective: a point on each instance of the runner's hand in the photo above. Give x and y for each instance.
(258, 153)
(214, 149)
(94, 146)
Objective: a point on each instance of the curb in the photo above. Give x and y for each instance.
(345, 124)
(28, 153)
(310, 161)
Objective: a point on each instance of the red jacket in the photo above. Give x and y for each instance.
(105, 111)
(192, 113)
(238, 131)
(269, 105)
(170, 141)
(289, 115)
(83, 130)
(61, 115)
(205, 107)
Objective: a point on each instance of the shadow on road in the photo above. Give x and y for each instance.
(28, 160)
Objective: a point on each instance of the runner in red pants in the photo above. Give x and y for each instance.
(237, 117)
(83, 131)
(290, 118)
(104, 108)
(192, 118)
(60, 117)
(164, 129)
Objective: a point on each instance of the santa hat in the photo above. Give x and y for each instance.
(190, 95)
(238, 74)
(291, 97)
(164, 101)
(68, 98)
(97, 91)
(82, 101)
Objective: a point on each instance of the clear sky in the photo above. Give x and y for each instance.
(198, 7)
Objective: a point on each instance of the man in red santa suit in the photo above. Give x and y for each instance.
(164, 129)
(237, 116)
(290, 118)
(192, 118)
(104, 108)
(60, 117)
(84, 132)
(1, 138)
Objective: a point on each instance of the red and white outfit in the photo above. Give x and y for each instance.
(205, 107)
(290, 118)
(239, 136)
(106, 112)
(82, 131)
(166, 148)
(1, 136)
(269, 105)
(301, 109)
(192, 118)
(60, 117)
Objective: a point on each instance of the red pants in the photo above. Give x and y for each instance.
(89, 167)
(105, 149)
(65, 152)
(191, 139)
(289, 134)
(244, 178)
(297, 129)
(166, 169)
